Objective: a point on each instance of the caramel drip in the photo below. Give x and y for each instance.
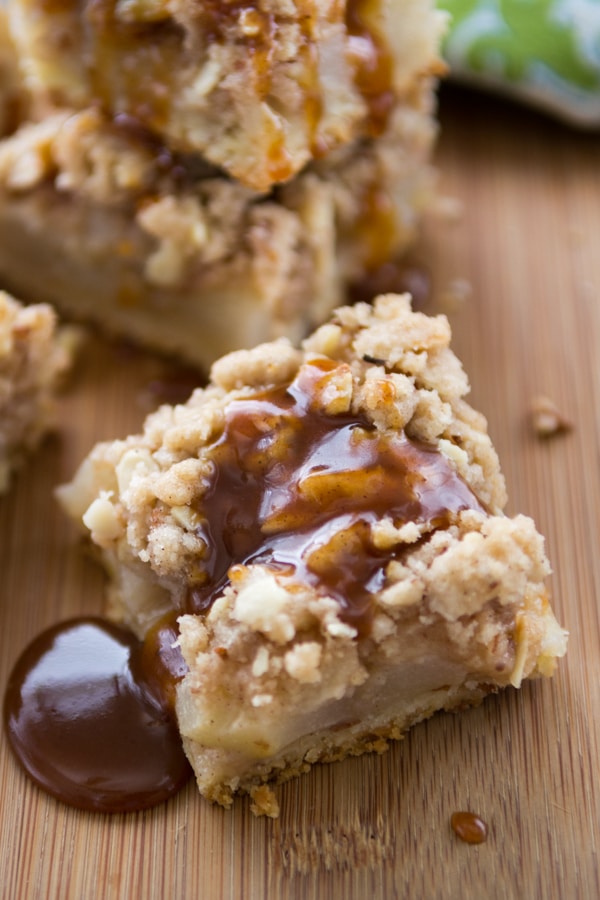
(299, 490)
(130, 65)
(374, 63)
(469, 827)
(87, 723)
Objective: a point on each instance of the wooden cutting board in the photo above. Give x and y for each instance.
(518, 272)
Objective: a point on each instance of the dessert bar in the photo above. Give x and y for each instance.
(32, 358)
(258, 89)
(313, 549)
(165, 250)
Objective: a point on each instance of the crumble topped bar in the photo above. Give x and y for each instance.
(258, 88)
(165, 250)
(201, 176)
(32, 358)
(320, 531)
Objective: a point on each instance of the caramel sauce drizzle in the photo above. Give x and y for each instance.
(375, 64)
(131, 64)
(298, 489)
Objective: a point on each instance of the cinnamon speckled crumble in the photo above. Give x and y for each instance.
(330, 533)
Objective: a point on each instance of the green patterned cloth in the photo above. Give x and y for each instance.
(544, 51)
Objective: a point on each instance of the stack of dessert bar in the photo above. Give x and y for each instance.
(203, 175)
(317, 537)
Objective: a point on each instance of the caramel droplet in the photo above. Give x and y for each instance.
(469, 827)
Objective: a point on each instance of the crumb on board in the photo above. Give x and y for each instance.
(447, 208)
(264, 802)
(546, 418)
(455, 295)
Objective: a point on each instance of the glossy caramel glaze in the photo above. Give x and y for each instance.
(469, 827)
(133, 61)
(298, 489)
(374, 63)
(86, 724)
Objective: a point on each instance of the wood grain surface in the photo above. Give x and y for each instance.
(518, 272)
